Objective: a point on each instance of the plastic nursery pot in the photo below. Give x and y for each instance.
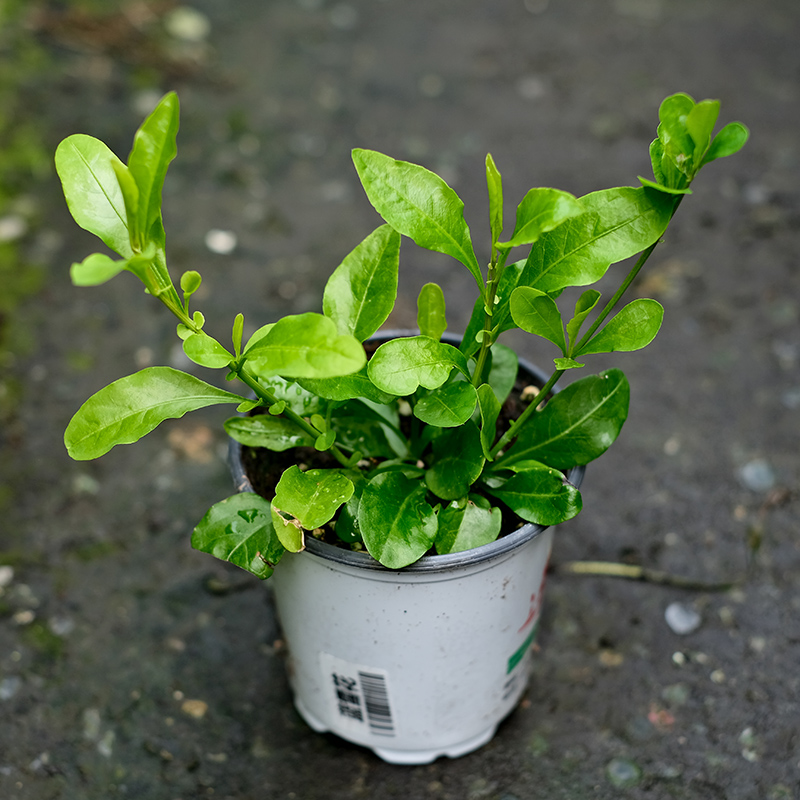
(414, 663)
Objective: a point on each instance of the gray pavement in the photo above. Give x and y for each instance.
(131, 666)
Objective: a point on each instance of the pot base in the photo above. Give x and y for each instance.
(403, 757)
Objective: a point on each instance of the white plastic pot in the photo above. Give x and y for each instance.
(414, 663)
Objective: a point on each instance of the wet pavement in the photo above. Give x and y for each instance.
(131, 666)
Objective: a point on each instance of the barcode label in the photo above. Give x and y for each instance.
(376, 700)
(359, 696)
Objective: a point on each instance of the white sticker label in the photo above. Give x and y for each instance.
(359, 696)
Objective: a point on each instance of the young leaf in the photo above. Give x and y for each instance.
(131, 407)
(96, 269)
(536, 312)
(490, 410)
(397, 524)
(583, 307)
(700, 122)
(190, 282)
(306, 346)
(728, 141)
(239, 530)
(401, 366)
(431, 318)
(236, 332)
(503, 371)
(463, 526)
(576, 426)
(289, 531)
(264, 430)
(542, 210)
(418, 204)
(360, 294)
(312, 497)
(456, 463)
(206, 351)
(448, 406)
(153, 150)
(539, 494)
(494, 184)
(85, 167)
(567, 363)
(633, 328)
(618, 223)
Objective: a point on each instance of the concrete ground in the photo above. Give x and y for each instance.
(131, 666)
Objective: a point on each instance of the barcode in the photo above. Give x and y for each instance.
(376, 701)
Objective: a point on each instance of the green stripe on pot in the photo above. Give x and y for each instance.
(517, 657)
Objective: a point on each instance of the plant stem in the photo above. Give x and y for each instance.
(634, 573)
(492, 282)
(266, 395)
(515, 426)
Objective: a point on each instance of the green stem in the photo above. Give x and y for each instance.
(269, 398)
(492, 282)
(515, 426)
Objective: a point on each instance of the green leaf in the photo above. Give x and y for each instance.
(700, 122)
(536, 312)
(131, 407)
(206, 351)
(313, 497)
(289, 531)
(96, 269)
(728, 141)
(325, 441)
(661, 188)
(264, 430)
(397, 524)
(456, 463)
(539, 494)
(299, 400)
(431, 317)
(542, 210)
(360, 294)
(490, 410)
(401, 366)
(583, 307)
(673, 130)
(567, 363)
(494, 184)
(153, 149)
(346, 387)
(618, 223)
(418, 204)
(447, 406)
(306, 346)
(465, 525)
(190, 282)
(236, 332)
(577, 425)
(258, 335)
(633, 328)
(130, 196)
(503, 371)
(239, 530)
(85, 167)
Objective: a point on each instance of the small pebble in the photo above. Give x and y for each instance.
(221, 242)
(718, 676)
(757, 475)
(10, 686)
(623, 773)
(194, 708)
(6, 575)
(682, 619)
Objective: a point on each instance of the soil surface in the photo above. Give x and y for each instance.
(133, 667)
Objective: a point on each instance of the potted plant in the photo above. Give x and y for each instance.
(407, 481)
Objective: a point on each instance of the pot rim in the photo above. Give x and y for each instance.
(426, 564)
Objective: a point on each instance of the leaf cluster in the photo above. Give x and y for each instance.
(421, 459)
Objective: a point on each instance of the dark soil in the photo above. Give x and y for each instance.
(131, 666)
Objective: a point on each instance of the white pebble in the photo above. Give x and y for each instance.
(682, 619)
(221, 242)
